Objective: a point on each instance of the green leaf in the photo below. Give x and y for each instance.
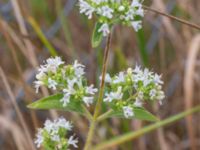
(143, 51)
(139, 113)
(53, 102)
(96, 36)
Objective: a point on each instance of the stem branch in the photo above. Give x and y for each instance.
(135, 134)
(100, 98)
(104, 116)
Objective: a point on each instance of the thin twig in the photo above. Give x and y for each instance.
(100, 98)
(173, 17)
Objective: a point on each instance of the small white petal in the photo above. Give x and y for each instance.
(88, 100)
(128, 111)
(104, 29)
(73, 141)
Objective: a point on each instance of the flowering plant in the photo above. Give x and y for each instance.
(67, 79)
(111, 12)
(129, 90)
(53, 135)
(124, 93)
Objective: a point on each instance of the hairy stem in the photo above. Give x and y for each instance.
(100, 98)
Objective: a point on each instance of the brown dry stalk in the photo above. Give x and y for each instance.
(173, 17)
(22, 27)
(189, 85)
(19, 114)
(6, 27)
(17, 134)
(26, 88)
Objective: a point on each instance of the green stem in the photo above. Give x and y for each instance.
(132, 135)
(100, 98)
(105, 115)
(87, 113)
(42, 36)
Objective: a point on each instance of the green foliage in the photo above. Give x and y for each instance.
(96, 36)
(139, 113)
(53, 102)
(143, 51)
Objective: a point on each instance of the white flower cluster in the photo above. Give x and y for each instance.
(132, 88)
(113, 11)
(68, 79)
(53, 135)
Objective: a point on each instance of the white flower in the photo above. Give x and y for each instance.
(108, 79)
(120, 78)
(121, 8)
(37, 85)
(66, 99)
(160, 95)
(78, 68)
(137, 70)
(100, 1)
(129, 71)
(52, 84)
(136, 3)
(39, 138)
(157, 79)
(86, 8)
(52, 130)
(140, 12)
(91, 90)
(50, 127)
(88, 100)
(43, 69)
(53, 63)
(40, 75)
(130, 15)
(114, 95)
(152, 93)
(73, 141)
(105, 11)
(70, 86)
(104, 29)
(128, 111)
(61, 122)
(55, 138)
(138, 102)
(143, 76)
(136, 25)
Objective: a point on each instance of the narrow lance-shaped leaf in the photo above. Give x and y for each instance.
(53, 102)
(96, 36)
(139, 113)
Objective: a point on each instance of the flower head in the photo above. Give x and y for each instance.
(133, 88)
(66, 79)
(53, 135)
(128, 111)
(109, 12)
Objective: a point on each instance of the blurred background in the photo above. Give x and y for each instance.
(33, 30)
